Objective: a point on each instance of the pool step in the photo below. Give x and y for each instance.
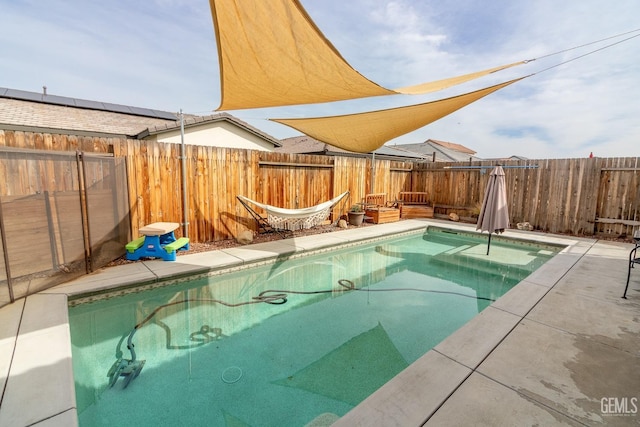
(458, 249)
(457, 260)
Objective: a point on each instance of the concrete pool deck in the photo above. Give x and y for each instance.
(560, 348)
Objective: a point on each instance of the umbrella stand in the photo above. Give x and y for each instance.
(489, 244)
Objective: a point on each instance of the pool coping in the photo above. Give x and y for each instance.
(30, 375)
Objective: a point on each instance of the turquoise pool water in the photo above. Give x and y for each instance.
(353, 318)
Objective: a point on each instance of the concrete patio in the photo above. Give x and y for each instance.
(560, 348)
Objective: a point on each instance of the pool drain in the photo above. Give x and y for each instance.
(232, 375)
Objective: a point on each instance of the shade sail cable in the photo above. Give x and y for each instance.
(591, 43)
(586, 54)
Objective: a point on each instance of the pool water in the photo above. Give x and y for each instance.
(353, 318)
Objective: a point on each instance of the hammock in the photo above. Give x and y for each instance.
(291, 219)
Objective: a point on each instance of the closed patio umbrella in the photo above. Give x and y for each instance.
(494, 215)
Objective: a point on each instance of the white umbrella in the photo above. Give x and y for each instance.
(494, 215)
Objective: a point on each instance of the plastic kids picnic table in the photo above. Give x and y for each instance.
(157, 241)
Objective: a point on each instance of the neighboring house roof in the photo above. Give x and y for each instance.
(193, 121)
(453, 146)
(502, 159)
(306, 145)
(39, 112)
(441, 150)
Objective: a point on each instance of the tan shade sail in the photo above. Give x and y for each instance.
(452, 81)
(365, 132)
(272, 54)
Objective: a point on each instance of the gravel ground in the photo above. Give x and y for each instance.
(257, 238)
(269, 237)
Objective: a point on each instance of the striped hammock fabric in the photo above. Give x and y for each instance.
(296, 219)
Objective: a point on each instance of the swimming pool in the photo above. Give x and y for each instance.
(286, 364)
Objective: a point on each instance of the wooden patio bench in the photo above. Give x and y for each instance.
(378, 210)
(415, 204)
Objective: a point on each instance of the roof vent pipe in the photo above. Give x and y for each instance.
(44, 90)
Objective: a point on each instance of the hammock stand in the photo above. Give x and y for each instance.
(291, 219)
(263, 224)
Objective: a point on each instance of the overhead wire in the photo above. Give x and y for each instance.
(583, 55)
(592, 43)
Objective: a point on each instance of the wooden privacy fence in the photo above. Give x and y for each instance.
(576, 196)
(215, 176)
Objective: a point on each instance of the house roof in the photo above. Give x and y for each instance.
(453, 146)
(83, 103)
(39, 112)
(443, 151)
(31, 111)
(192, 121)
(306, 145)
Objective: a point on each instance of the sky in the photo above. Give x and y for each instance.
(162, 54)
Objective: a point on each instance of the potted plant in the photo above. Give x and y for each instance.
(356, 215)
